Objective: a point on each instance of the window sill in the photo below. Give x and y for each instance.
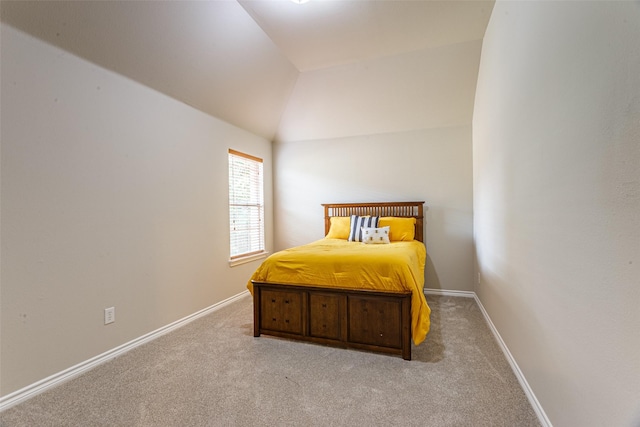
(246, 259)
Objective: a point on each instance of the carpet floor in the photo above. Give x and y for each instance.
(213, 372)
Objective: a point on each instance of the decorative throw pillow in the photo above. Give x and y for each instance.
(401, 229)
(375, 235)
(357, 222)
(339, 228)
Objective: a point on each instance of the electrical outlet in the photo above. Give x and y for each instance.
(478, 278)
(109, 315)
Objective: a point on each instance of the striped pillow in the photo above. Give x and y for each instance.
(357, 222)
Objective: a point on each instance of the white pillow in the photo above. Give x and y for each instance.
(375, 235)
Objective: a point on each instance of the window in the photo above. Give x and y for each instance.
(246, 205)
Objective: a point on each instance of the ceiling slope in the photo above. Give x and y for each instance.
(208, 54)
(324, 33)
(426, 89)
(240, 60)
(376, 66)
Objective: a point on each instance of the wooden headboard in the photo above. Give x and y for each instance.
(399, 209)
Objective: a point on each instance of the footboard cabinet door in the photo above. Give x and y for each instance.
(324, 315)
(375, 321)
(281, 311)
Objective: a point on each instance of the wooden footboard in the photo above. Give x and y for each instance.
(348, 318)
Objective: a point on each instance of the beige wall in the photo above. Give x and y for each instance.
(390, 129)
(432, 165)
(557, 200)
(112, 195)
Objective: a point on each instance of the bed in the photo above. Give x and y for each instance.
(347, 293)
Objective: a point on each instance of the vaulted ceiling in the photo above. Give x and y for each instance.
(240, 60)
(319, 34)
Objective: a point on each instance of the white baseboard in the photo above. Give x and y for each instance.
(465, 294)
(542, 416)
(56, 379)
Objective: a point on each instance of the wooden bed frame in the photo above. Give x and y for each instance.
(348, 318)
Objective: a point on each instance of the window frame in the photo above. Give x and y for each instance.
(255, 233)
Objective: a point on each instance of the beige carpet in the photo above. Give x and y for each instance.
(213, 372)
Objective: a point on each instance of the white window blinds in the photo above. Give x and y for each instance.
(246, 204)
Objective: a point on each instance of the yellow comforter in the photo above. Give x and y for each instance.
(334, 262)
